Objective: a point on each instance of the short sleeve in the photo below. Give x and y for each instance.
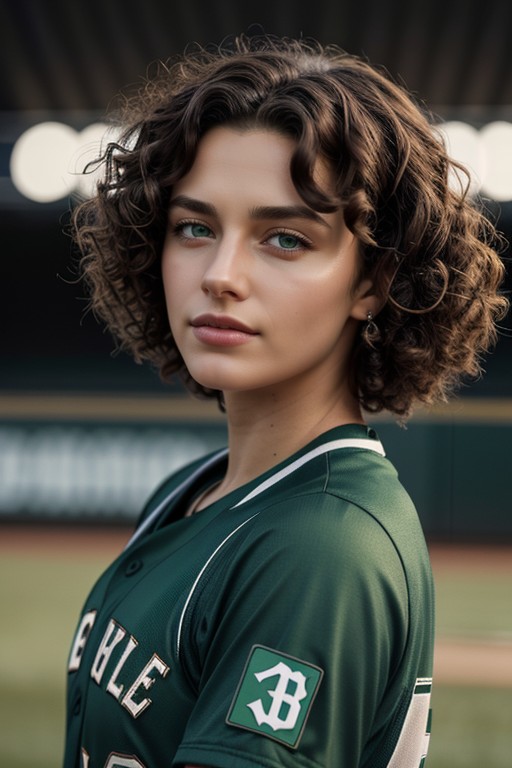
(292, 639)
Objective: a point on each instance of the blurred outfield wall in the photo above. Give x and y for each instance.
(96, 459)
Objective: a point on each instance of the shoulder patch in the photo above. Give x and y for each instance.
(275, 695)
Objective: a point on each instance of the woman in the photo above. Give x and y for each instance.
(276, 226)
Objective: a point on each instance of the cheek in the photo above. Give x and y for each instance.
(320, 320)
(175, 279)
(172, 292)
(314, 301)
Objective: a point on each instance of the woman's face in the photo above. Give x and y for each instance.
(261, 290)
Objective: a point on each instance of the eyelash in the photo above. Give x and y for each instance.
(180, 226)
(303, 241)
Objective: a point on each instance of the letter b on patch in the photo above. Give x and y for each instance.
(275, 695)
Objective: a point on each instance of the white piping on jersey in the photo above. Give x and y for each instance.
(203, 569)
(372, 445)
(181, 487)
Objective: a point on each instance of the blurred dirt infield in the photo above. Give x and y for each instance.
(464, 661)
(457, 661)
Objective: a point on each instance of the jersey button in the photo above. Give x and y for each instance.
(133, 567)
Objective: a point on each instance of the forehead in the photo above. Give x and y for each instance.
(229, 155)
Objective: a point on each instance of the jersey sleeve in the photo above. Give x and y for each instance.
(292, 639)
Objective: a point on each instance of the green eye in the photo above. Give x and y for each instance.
(289, 242)
(196, 230)
(286, 241)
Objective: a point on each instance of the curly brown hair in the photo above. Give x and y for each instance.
(430, 251)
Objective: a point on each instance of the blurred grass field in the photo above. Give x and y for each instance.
(41, 592)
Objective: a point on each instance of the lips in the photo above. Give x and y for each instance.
(221, 331)
(222, 322)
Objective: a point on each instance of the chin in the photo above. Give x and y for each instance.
(224, 383)
(213, 380)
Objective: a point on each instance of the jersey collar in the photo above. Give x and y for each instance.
(317, 447)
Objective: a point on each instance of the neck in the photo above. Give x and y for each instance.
(265, 428)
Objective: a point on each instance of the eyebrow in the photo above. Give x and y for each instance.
(259, 213)
(196, 206)
(287, 212)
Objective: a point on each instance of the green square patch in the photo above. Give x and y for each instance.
(275, 695)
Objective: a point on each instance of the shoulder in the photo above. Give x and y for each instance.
(371, 484)
(367, 479)
(342, 513)
(340, 492)
(317, 537)
(339, 533)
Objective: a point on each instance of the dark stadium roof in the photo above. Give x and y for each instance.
(75, 54)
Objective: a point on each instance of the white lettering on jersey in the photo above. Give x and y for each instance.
(144, 680)
(81, 637)
(412, 746)
(109, 647)
(104, 652)
(112, 687)
(123, 761)
(280, 698)
(114, 760)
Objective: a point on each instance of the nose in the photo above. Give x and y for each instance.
(226, 275)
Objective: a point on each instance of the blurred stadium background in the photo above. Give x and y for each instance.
(85, 435)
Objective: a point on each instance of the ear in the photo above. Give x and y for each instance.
(366, 300)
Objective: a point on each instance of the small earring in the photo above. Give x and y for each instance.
(371, 332)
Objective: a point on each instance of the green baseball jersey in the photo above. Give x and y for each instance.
(289, 623)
